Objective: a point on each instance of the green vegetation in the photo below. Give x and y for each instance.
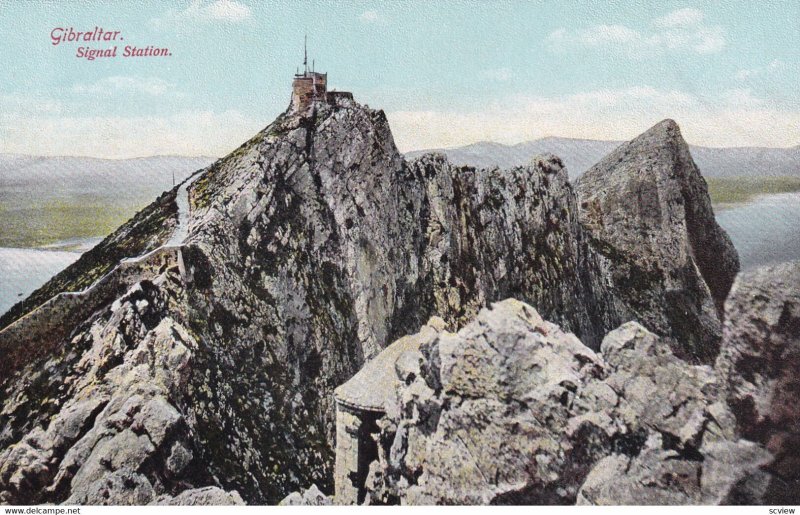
(47, 221)
(147, 230)
(736, 190)
(202, 190)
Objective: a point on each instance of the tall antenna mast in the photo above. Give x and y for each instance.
(305, 53)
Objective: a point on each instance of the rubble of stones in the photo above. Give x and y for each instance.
(511, 409)
(315, 245)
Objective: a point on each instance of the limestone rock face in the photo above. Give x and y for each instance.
(208, 496)
(759, 363)
(116, 430)
(512, 409)
(310, 497)
(687, 451)
(493, 234)
(488, 419)
(662, 477)
(306, 251)
(647, 209)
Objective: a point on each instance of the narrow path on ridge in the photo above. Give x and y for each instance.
(182, 199)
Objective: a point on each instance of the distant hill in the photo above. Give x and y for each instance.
(44, 200)
(580, 154)
(62, 175)
(747, 161)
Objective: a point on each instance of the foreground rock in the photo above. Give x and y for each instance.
(483, 421)
(759, 364)
(513, 410)
(310, 497)
(208, 496)
(648, 212)
(687, 452)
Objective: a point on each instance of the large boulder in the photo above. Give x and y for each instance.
(309, 497)
(670, 265)
(488, 417)
(759, 363)
(208, 496)
(661, 476)
(687, 452)
(513, 410)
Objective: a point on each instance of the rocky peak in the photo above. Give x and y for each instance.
(648, 213)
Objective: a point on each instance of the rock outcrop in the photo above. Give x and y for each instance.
(647, 210)
(306, 251)
(208, 496)
(310, 497)
(687, 451)
(759, 363)
(121, 433)
(488, 415)
(513, 410)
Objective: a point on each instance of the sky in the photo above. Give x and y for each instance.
(447, 73)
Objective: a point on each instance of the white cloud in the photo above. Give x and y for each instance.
(185, 133)
(123, 84)
(774, 66)
(229, 10)
(682, 30)
(370, 17)
(600, 35)
(741, 97)
(732, 118)
(29, 105)
(226, 11)
(708, 40)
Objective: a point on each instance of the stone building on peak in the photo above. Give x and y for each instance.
(311, 86)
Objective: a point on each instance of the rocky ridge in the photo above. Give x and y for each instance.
(308, 249)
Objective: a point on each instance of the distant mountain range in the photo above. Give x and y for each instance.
(581, 154)
(61, 176)
(55, 200)
(45, 200)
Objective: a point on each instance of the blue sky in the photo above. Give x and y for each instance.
(447, 73)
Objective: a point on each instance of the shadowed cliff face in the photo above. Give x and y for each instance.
(647, 211)
(309, 248)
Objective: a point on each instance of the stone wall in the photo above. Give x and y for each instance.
(308, 87)
(356, 448)
(302, 92)
(41, 330)
(336, 98)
